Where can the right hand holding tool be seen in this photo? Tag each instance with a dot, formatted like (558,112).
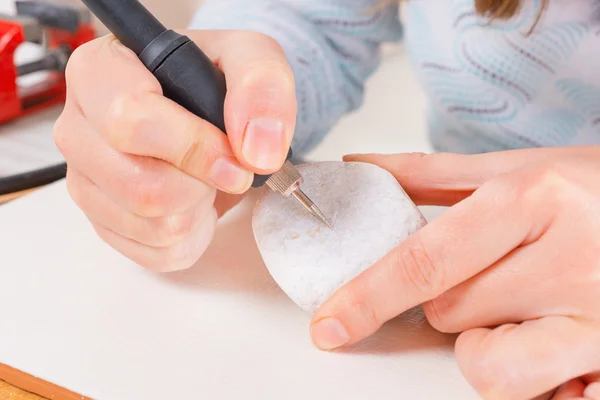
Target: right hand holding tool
(150,176)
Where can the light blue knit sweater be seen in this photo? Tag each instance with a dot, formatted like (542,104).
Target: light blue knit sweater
(490,86)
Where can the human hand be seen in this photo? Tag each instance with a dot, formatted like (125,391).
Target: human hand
(513,264)
(145,171)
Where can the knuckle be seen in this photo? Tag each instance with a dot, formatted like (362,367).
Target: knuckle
(173,228)
(181,225)
(148,197)
(147,200)
(414,262)
(546,183)
(127,119)
(187,252)
(498,192)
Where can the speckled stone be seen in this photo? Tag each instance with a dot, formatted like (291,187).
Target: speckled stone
(371,215)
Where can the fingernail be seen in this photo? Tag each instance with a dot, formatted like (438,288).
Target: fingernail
(264,143)
(229,176)
(328,334)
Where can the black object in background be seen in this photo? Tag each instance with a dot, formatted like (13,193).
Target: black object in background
(32,179)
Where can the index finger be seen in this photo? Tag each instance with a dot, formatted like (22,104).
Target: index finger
(463,241)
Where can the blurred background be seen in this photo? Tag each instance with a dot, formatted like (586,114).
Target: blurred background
(174,17)
(391,119)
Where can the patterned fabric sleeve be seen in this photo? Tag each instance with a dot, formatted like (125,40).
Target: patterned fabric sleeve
(333,46)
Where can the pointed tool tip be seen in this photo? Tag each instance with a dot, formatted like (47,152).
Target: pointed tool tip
(311,207)
(319,214)
(321,217)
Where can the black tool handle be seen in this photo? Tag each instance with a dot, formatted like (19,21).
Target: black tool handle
(186,74)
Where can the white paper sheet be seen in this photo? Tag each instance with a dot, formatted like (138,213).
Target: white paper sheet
(77,314)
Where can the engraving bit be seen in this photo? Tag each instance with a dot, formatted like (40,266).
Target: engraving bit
(287,182)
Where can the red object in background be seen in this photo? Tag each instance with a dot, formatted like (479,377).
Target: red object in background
(16,101)
(11,36)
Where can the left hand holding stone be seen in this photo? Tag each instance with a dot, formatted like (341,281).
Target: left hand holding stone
(513,265)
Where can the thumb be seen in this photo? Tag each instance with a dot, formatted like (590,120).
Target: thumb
(444,179)
(260,106)
(527,360)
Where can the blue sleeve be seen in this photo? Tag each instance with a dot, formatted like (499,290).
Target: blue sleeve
(333,46)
